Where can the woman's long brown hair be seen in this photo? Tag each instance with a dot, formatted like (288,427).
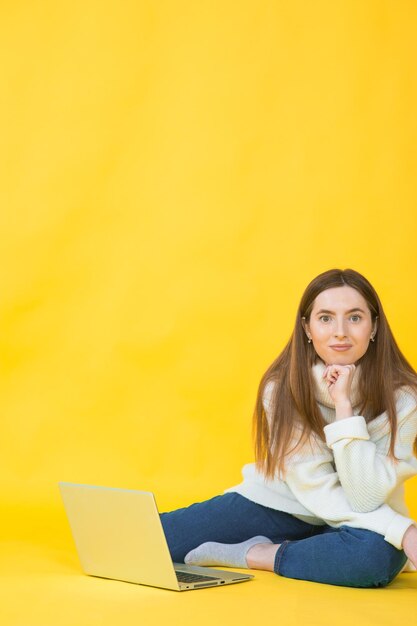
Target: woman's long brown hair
(384,369)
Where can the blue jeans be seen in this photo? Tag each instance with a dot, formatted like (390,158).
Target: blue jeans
(346,556)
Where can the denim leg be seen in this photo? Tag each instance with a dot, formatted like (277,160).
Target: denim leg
(228,518)
(351,557)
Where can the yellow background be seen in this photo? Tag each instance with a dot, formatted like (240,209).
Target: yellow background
(172,175)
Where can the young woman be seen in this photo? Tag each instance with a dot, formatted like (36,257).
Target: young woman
(335,427)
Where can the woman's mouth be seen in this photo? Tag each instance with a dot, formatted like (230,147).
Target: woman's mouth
(341,348)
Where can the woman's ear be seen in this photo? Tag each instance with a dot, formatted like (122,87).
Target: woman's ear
(306,326)
(375,326)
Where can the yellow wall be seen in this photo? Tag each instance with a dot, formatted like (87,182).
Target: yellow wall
(173,174)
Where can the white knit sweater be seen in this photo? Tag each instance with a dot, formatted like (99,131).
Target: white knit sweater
(350,481)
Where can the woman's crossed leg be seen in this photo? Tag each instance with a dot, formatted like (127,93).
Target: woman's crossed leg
(277,541)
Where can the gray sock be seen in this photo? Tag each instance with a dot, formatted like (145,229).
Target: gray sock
(226,554)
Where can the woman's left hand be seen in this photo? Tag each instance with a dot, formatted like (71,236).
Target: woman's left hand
(339,381)
(409,544)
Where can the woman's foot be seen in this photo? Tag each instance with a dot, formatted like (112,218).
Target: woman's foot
(227,554)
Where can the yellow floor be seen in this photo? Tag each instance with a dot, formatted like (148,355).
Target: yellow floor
(42,584)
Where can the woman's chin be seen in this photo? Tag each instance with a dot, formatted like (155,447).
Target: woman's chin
(338,359)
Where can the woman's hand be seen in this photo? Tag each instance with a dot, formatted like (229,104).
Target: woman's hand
(409,544)
(339,381)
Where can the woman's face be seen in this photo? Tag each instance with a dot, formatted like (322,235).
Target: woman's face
(340,325)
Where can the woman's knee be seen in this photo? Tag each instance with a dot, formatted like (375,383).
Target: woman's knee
(216,519)
(378,562)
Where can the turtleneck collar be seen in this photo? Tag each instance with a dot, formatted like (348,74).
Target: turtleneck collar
(321,392)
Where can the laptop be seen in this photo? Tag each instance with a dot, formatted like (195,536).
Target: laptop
(118,534)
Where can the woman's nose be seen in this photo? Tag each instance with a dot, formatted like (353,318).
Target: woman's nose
(340,329)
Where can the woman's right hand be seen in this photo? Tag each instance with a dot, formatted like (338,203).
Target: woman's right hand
(409,544)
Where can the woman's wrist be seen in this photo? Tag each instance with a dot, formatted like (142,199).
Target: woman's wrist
(343,409)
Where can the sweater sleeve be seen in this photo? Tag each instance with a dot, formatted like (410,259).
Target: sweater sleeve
(366,472)
(312,478)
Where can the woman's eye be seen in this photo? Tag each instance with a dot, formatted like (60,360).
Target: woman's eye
(327,318)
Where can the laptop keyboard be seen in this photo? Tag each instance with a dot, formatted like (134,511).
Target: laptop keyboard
(185,577)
